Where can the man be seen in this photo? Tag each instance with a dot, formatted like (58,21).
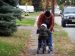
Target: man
(47,18)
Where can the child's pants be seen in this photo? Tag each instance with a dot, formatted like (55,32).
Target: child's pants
(48,42)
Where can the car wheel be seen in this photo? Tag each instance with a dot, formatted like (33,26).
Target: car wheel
(63,23)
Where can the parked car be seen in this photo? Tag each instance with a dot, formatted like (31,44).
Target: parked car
(26,8)
(68,16)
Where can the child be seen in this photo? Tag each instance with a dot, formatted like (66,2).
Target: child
(43,34)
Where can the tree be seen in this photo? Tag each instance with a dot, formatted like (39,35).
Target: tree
(43,4)
(36,4)
(24,2)
(8,15)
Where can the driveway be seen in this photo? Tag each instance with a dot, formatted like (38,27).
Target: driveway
(70,31)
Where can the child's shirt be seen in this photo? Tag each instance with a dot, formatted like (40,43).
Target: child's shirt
(43,33)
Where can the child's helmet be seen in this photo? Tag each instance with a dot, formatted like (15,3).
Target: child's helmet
(44,25)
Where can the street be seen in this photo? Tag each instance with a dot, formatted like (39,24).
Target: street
(70,31)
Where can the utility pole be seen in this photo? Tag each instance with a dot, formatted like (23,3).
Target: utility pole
(53,6)
(47,4)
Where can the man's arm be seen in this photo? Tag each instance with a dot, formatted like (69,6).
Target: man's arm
(39,20)
(52,23)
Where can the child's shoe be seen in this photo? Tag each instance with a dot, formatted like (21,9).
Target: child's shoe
(49,51)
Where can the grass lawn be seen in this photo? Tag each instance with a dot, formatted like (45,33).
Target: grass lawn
(62,43)
(28,20)
(12,45)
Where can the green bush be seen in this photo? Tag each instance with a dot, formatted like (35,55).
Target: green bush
(8,16)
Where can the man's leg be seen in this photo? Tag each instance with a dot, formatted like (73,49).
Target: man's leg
(50,41)
(50,38)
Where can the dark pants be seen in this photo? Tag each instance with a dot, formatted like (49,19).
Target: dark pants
(48,41)
(40,42)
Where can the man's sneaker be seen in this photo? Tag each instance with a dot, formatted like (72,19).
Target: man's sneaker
(51,49)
